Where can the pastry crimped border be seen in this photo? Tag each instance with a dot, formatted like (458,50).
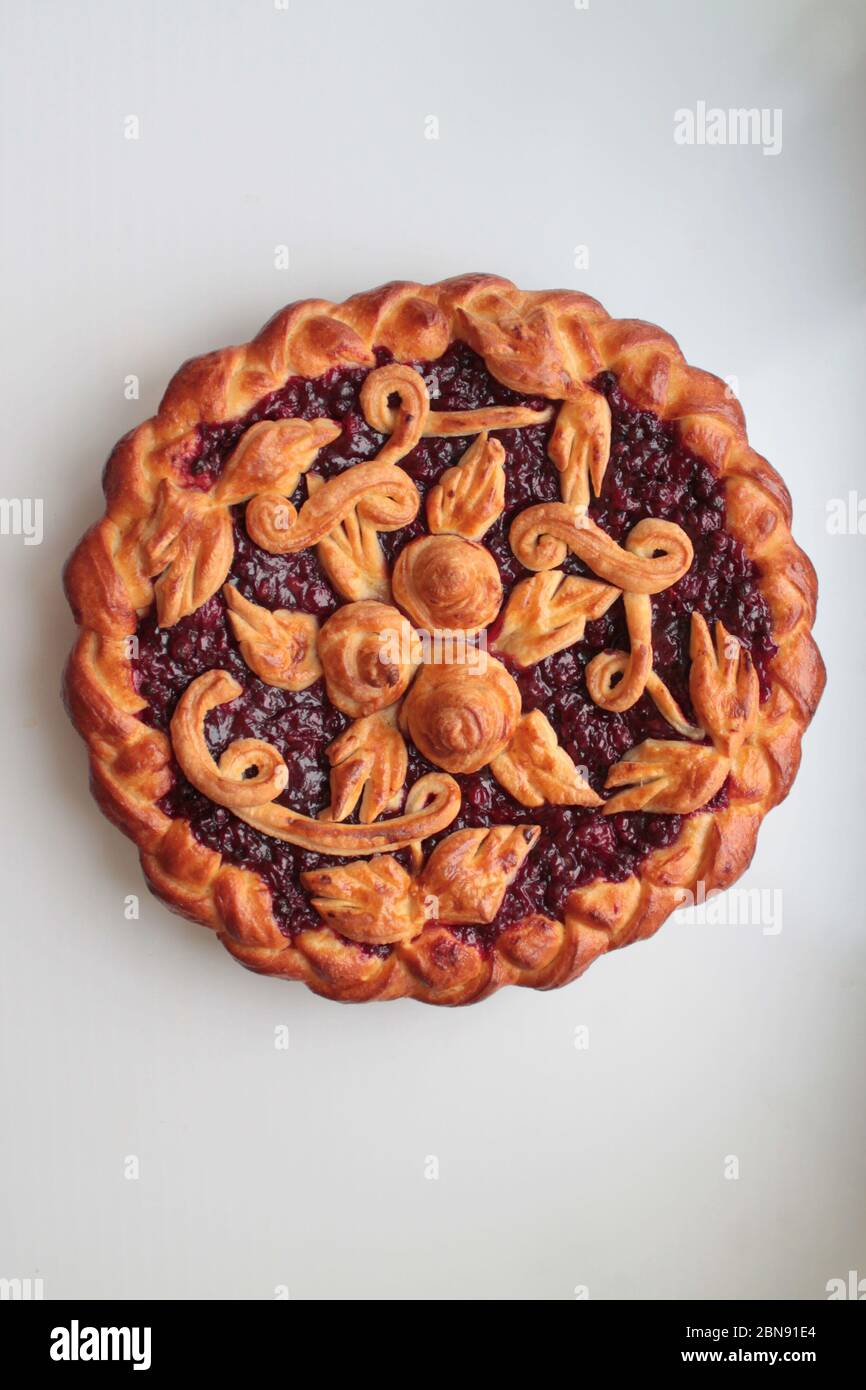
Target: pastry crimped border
(539,342)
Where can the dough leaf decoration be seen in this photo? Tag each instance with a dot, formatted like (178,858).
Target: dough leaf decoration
(580,445)
(280,646)
(189,542)
(667,776)
(723,685)
(469,497)
(373,901)
(468,872)
(271,457)
(549,612)
(190,545)
(351,555)
(368,763)
(537,772)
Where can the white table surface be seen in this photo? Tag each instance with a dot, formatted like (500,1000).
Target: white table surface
(604,1167)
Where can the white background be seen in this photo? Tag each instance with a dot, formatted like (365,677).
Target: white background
(558,1167)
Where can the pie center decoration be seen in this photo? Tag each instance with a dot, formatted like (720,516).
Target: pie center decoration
(462,710)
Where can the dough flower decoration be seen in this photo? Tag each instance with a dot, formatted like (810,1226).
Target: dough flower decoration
(389,661)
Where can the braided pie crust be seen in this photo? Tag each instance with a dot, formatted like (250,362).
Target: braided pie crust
(164,543)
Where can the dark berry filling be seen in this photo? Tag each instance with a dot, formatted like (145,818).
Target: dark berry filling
(649,474)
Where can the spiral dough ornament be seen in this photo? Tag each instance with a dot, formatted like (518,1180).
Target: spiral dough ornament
(461,719)
(656,553)
(384,494)
(446,582)
(369,653)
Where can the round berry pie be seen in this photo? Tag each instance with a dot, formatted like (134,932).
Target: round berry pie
(440,640)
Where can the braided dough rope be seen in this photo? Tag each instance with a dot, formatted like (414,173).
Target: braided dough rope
(544,342)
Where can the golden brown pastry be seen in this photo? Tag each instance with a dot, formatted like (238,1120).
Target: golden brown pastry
(351,555)
(469,497)
(549,612)
(461,718)
(280,647)
(369,762)
(369,654)
(372,901)
(468,872)
(446,582)
(723,684)
(433,802)
(664,775)
(396,393)
(187,539)
(385,495)
(656,553)
(536,771)
(580,445)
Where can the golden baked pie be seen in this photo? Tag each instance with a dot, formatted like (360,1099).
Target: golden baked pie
(442,639)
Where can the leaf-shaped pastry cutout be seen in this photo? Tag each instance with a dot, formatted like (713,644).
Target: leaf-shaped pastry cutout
(537,772)
(723,684)
(189,542)
(372,901)
(351,555)
(367,761)
(522,351)
(468,872)
(549,612)
(271,457)
(470,496)
(190,545)
(280,647)
(667,776)
(580,445)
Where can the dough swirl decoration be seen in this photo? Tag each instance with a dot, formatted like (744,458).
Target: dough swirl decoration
(447,582)
(369,653)
(459,718)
